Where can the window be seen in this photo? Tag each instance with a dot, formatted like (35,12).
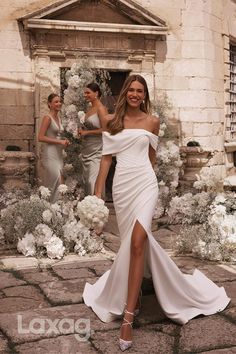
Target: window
(231,126)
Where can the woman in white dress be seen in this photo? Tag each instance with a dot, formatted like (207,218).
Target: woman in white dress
(52,147)
(132,137)
(91,134)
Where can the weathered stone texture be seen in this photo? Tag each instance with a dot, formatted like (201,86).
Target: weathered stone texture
(207,334)
(62,344)
(17,132)
(7,280)
(65,291)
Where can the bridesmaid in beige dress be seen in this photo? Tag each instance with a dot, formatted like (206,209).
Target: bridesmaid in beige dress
(51,151)
(91,134)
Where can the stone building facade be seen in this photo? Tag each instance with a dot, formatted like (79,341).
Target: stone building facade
(185,48)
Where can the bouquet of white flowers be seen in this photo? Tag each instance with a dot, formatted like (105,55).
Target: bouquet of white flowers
(92,212)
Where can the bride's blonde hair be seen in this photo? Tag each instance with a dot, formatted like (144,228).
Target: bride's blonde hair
(116,124)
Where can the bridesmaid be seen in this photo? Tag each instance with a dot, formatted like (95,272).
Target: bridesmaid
(91,134)
(52,149)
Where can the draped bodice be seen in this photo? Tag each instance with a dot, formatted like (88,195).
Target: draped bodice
(92,122)
(131,147)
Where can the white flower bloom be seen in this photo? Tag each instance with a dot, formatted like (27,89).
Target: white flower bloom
(81,116)
(27,245)
(68,167)
(34,198)
(44,192)
(43,234)
(47,216)
(220,199)
(219,210)
(174,184)
(72,127)
(55,248)
(74,81)
(62,188)
(92,212)
(56,207)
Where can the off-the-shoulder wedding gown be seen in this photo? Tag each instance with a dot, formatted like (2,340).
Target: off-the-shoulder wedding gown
(135,190)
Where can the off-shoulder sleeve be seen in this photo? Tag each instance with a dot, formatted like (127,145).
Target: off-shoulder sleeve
(110,145)
(154,141)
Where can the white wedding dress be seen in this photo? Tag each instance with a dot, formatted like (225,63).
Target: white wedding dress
(135,190)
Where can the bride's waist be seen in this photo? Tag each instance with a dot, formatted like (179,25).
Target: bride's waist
(126,168)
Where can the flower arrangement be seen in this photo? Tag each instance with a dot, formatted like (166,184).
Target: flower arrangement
(92,212)
(81,73)
(169,163)
(39,228)
(73,111)
(208,225)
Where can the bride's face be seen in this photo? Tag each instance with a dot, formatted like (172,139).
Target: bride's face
(135,94)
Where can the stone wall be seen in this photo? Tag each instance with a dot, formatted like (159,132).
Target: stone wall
(194,72)
(191,67)
(17,99)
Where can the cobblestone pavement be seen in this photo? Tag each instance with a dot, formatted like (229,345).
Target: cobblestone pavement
(42,311)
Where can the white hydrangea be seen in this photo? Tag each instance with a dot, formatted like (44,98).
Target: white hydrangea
(55,248)
(44,192)
(74,230)
(80,249)
(74,81)
(62,188)
(92,212)
(219,199)
(43,233)
(47,216)
(71,110)
(27,245)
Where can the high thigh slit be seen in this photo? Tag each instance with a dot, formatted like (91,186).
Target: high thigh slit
(135,192)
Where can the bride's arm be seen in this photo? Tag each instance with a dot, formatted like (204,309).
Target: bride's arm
(102,175)
(155,130)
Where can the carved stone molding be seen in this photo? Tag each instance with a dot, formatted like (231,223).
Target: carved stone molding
(194,158)
(16,169)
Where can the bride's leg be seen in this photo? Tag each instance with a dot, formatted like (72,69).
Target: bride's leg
(136,269)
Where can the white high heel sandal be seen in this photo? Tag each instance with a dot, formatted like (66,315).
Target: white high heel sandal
(126,344)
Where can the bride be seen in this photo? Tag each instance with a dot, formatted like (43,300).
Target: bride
(132,136)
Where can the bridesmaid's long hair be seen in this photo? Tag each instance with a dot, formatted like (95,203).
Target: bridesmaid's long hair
(116,124)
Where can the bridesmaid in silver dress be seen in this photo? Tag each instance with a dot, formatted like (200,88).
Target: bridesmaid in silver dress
(91,134)
(51,151)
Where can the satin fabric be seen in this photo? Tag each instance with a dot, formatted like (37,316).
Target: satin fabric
(52,160)
(135,191)
(91,153)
